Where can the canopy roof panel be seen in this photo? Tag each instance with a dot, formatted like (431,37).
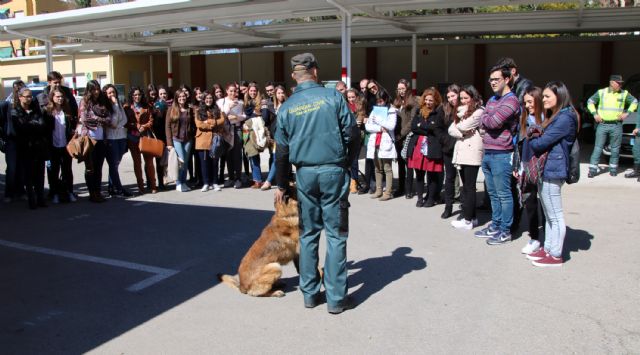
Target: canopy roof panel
(149,25)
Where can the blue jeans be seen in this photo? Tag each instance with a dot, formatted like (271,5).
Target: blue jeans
(115,150)
(272,170)
(612,131)
(255,168)
(497,171)
(555,228)
(183,150)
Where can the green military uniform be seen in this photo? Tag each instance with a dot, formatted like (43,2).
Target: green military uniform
(609,105)
(314,133)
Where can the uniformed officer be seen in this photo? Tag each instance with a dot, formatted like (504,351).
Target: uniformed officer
(314,133)
(609,107)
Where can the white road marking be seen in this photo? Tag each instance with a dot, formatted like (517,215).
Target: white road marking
(160,273)
(138,204)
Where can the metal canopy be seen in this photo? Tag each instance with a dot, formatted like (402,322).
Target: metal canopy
(152,25)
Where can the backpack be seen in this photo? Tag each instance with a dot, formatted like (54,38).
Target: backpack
(573,173)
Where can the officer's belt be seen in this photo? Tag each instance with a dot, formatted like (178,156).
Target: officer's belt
(321,165)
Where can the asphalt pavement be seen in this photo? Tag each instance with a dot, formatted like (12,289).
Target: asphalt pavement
(138,276)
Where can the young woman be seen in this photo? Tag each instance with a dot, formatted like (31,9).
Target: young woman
(32,145)
(233,109)
(407,106)
(253,103)
(180,130)
(61,123)
(95,114)
(532,116)
(448,143)
(159,105)
(140,123)
(279,97)
(117,140)
(209,123)
(468,151)
(218,91)
(560,132)
(425,149)
(381,147)
(357,107)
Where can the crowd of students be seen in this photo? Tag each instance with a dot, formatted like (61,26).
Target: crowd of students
(437,140)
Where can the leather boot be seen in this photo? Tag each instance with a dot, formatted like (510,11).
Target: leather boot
(448,211)
(635,173)
(378,192)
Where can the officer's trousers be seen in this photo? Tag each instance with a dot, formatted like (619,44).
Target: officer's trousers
(323,193)
(612,131)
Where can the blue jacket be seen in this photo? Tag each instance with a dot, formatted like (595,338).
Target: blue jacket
(557,139)
(314,127)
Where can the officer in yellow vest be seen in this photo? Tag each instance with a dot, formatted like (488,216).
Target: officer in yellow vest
(609,107)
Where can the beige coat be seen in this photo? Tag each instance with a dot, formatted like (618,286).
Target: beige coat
(468,149)
(206,129)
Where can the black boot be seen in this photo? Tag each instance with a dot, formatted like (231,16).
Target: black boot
(635,173)
(420,202)
(448,211)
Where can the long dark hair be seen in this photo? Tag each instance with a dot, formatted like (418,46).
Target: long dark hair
(563,97)
(383,95)
(536,93)
(102,99)
(407,102)
(450,111)
(51,105)
(476,101)
(143,97)
(204,110)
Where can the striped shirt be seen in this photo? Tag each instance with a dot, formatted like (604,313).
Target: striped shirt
(499,122)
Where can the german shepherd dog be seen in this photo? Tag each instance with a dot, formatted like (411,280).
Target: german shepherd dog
(277,245)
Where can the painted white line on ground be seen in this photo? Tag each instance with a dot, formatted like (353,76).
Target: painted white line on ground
(160,273)
(138,204)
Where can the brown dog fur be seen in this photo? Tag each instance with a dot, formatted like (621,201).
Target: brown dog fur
(277,245)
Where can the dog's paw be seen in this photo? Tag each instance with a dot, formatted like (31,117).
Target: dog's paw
(278,293)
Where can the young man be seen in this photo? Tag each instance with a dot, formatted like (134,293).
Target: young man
(499,122)
(609,107)
(322,178)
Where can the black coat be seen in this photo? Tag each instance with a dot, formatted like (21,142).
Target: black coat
(433,128)
(32,133)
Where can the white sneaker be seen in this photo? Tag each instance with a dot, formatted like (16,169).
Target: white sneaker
(217,187)
(55,200)
(464,224)
(531,246)
(72,197)
(178,187)
(184,188)
(205,188)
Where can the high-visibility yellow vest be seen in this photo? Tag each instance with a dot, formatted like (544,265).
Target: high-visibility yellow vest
(611,104)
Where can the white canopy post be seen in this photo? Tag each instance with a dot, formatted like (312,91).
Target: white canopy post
(169,68)
(414,63)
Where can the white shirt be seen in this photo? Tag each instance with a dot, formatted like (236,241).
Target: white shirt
(59,135)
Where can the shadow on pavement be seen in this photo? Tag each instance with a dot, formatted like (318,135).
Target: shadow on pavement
(55,304)
(374,274)
(575,241)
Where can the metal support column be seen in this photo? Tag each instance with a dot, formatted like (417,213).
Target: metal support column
(169,68)
(151,78)
(348,57)
(414,63)
(49,53)
(74,82)
(343,48)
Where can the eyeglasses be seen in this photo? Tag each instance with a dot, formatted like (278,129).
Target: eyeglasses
(495,80)
(26,97)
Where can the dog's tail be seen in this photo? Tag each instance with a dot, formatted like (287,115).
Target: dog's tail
(231,281)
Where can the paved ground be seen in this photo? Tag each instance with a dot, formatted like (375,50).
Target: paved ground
(137,276)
